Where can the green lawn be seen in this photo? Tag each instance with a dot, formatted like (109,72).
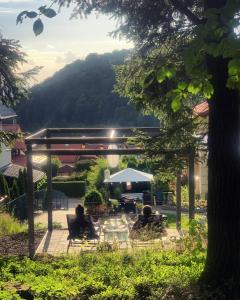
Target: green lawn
(144,274)
(171,222)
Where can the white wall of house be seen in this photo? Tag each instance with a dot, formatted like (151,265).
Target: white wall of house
(5,156)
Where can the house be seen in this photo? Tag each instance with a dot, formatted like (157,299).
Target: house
(13,158)
(68,161)
(201,169)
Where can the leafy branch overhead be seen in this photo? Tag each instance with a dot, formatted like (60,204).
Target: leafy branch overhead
(38,24)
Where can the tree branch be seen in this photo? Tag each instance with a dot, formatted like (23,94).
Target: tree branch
(183,9)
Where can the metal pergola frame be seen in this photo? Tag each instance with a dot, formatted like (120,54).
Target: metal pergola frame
(50,136)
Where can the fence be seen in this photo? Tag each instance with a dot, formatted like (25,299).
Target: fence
(18,206)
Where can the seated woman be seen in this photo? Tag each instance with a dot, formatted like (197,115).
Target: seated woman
(148,224)
(82,225)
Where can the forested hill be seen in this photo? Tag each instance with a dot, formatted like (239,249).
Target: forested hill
(81,94)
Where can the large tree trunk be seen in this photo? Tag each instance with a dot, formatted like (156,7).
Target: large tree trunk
(223,256)
(222,269)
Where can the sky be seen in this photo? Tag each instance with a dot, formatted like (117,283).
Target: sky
(62,41)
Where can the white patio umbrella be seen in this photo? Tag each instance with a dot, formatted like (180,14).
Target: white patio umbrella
(129,175)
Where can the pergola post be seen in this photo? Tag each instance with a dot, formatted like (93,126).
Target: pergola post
(178,200)
(191,185)
(30,202)
(49,191)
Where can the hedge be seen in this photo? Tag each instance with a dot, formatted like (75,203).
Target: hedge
(70,188)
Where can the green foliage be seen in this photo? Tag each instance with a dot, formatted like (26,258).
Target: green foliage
(145,274)
(14,84)
(117,192)
(41,184)
(22,181)
(83,165)
(9,225)
(14,191)
(70,188)
(4,189)
(93,198)
(81,95)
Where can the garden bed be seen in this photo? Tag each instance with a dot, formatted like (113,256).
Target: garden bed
(17,244)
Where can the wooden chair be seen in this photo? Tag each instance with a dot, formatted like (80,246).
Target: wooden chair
(81,239)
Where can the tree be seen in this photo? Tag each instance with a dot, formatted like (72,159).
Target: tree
(14,191)
(21,181)
(14,85)
(4,189)
(199,43)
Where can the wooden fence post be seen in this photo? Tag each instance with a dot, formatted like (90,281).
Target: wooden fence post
(191,185)
(178,200)
(30,203)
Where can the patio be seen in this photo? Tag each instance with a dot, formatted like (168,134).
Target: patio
(55,243)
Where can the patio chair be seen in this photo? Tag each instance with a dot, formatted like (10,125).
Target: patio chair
(82,238)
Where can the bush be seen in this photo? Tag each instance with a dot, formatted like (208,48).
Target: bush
(93,198)
(70,188)
(117,193)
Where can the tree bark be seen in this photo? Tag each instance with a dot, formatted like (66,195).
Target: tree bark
(222,268)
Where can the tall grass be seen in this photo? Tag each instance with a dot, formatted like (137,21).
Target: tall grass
(9,225)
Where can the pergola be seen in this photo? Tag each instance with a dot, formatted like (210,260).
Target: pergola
(40,143)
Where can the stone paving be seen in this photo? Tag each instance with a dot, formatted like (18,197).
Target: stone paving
(56,243)
(59,216)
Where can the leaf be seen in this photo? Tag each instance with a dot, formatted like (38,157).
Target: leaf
(176,104)
(208,90)
(182,86)
(234,67)
(194,88)
(160,76)
(170,73)
(38,27)
(49,12)
(31,14)
(149,79)
(20,16)
(42,8)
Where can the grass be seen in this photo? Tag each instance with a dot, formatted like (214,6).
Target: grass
(143,274)
(10,225)
(171,222)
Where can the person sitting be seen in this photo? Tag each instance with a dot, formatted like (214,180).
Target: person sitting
(148,221)
(82,225)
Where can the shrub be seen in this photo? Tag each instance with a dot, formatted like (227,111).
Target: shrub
(93,198)
(70,188)
(117,193)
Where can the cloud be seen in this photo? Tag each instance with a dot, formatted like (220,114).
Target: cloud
(67,58)
(5,10)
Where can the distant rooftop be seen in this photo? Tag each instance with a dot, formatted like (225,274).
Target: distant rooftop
(12,170)
(6,112)
(201,109)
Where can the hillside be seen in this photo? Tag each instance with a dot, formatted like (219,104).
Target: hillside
(81,94)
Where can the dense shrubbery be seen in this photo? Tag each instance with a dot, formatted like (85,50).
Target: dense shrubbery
(70,188)
(93,198)
(146,274)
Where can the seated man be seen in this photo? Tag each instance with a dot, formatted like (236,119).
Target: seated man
(82,225)
(149,222)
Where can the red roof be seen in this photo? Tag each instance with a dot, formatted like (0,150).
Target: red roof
(72,159)
(20,144)
(11,128)
(20,160)
(201,109)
